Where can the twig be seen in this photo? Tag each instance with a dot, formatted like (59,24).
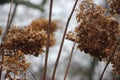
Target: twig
(58,57)
(27,3)
(48,39)
(13,15)
(109,60)
(32,74)
(69,61)
(7,28)
(8,20)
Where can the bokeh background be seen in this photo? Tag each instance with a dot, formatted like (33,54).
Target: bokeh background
(83,66)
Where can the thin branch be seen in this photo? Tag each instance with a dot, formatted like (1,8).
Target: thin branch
(27,3)
(13,15)
(109,60)
(32,74)
(69,61)
(8,20)
(48,39)
(7,28)
(59,54)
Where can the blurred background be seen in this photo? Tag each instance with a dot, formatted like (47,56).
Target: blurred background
(83,66)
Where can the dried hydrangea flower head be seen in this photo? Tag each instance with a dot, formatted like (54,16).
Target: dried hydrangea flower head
(15,64)
(114,6)
(26,40)
(96,33)
(42,24)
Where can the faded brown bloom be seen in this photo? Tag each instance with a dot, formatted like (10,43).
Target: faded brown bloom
(14,63)
(42,24)
(114,6)
(96,33)
(26,40)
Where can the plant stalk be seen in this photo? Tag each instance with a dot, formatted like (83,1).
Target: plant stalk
(48,39)
(59,53)
(69,61)
(7,28)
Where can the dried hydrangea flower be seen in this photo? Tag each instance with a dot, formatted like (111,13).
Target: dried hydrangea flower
(26,40)
(96,33)
(42,24)
(15,64)
(114,6)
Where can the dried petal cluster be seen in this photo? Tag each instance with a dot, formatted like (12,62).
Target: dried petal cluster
(114,6)
(26,40)
(96,33)
(21,41)
(15,63)
(42,24)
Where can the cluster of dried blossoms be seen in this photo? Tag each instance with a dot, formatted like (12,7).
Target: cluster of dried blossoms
(30,39)
(21,41)
(114,6)
(14,63)
(96,33)
(26,40)
(42,24)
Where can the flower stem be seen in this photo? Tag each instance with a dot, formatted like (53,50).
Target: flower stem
(59,53)
(69,61)
(7,28)
(48,40)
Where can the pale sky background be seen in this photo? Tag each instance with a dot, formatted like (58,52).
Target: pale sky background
(61,11)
